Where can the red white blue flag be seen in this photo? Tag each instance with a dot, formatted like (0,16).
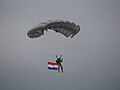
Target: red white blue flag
(52,66)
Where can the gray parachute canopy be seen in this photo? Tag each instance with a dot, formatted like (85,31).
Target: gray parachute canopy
(64,27)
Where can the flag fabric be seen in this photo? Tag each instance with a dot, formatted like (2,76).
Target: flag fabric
(52,66)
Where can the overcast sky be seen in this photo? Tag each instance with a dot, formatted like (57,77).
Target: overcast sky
(91,58)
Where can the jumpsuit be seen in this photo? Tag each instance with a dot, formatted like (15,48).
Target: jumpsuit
(59,60)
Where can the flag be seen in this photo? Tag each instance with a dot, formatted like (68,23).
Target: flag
(52,66)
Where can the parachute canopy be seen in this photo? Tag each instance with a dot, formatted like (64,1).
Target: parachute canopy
(64,27)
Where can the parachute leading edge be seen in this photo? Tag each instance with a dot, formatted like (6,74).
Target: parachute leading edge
(64,27)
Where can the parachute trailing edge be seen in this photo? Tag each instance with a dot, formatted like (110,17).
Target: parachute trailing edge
(64,27)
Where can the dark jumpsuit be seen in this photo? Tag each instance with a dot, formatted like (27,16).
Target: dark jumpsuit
(59,60)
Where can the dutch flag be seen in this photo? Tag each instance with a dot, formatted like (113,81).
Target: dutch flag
(52,66)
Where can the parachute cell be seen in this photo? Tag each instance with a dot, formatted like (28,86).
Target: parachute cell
(64,27)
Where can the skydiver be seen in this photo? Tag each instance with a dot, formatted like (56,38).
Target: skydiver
(59,60)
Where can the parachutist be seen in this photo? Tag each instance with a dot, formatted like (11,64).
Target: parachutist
(59,60)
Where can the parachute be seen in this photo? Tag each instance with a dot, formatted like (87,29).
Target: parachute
(64,27)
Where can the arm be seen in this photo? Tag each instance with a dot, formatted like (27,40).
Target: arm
(61,59)
(56,56)
(60,56)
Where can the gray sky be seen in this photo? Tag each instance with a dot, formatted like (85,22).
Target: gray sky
(91,58)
